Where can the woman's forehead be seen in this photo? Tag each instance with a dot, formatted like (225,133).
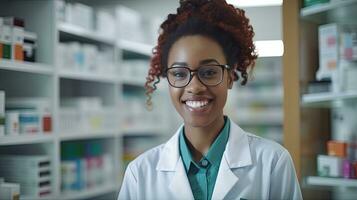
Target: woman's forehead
(195,50)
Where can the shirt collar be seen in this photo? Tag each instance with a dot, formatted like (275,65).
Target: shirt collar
(215,152)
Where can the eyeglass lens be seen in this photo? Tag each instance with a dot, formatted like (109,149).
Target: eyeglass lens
(209,75)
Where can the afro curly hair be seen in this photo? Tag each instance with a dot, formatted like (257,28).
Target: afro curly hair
(216,19)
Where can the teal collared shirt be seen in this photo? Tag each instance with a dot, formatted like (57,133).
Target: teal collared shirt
(202,176)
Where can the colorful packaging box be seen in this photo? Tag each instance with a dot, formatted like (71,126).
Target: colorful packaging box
(17,36)
(329,166)
(12,125)
(314,2)
(6,39)
(30,46)
(336,148)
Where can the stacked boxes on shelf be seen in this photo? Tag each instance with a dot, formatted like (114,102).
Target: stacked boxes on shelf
(134,70)
(129,24)
(338,56)
(86,58)
(257,107)
(28,116)
(9,191)
(15,42)
(86,114)
(32,172)
(139,119)
(341,160)
(86,17)
(84,165)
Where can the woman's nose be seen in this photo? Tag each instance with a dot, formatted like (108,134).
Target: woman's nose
(195,86)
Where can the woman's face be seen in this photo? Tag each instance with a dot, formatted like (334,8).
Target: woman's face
(199,105)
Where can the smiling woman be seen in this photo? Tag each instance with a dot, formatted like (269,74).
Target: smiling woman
(201,51)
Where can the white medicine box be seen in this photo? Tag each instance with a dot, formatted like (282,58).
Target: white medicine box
(336,42)
(329,166)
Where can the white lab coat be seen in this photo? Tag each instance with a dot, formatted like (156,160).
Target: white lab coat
(251,168)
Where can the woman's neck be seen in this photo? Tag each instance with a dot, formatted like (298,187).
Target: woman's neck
(201,138)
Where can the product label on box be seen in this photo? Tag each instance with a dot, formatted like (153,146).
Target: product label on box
(5,40)
(328,50)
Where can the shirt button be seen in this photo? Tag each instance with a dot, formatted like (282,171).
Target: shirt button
(204,163)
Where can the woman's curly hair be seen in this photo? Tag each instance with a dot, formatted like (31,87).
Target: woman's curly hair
(213,18)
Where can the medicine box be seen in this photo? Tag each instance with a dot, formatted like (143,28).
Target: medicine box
(336,148)
(6,39)
(329,166)
(336,42)
(17,36)
(9,191)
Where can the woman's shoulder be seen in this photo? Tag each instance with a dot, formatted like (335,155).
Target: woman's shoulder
(266,150)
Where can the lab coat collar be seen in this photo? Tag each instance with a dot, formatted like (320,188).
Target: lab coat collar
(170,155)
(237,153)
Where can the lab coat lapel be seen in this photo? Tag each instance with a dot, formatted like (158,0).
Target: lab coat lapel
(170,162)
(226,179)
(179,185)
(236,155)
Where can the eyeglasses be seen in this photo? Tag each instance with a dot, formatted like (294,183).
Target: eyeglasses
(209,75)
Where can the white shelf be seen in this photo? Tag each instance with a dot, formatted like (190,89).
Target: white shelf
(334,182)
(84,33)
(49,197)
(36,68)
(133,81)
(73,135)
(328,99)
(26,139)
(335,10)
(89,76)
(137,47)
(136,130)
(265,97)
(90,193)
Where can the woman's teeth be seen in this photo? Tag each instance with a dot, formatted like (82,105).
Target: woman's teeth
(196,104)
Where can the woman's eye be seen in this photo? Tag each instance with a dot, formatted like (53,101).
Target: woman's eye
(209,73)
(179,74)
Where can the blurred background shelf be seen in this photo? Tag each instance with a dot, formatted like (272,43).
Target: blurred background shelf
(26,139)
(22,66)
(336,10)
(76,135)
(83,35)
(328,99)
(90,193)
(136,47)
(86,76)
(334,182)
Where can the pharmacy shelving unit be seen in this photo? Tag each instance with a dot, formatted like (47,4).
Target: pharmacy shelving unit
(46,78)
(307,123)
(257,107)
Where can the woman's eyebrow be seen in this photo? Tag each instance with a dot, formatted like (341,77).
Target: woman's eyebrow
(208,61)
(178,64)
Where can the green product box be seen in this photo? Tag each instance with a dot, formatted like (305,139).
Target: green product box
(308,3)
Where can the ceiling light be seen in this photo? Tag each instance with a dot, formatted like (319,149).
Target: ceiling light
(269,48)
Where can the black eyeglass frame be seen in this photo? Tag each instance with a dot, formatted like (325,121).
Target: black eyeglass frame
(193,72)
